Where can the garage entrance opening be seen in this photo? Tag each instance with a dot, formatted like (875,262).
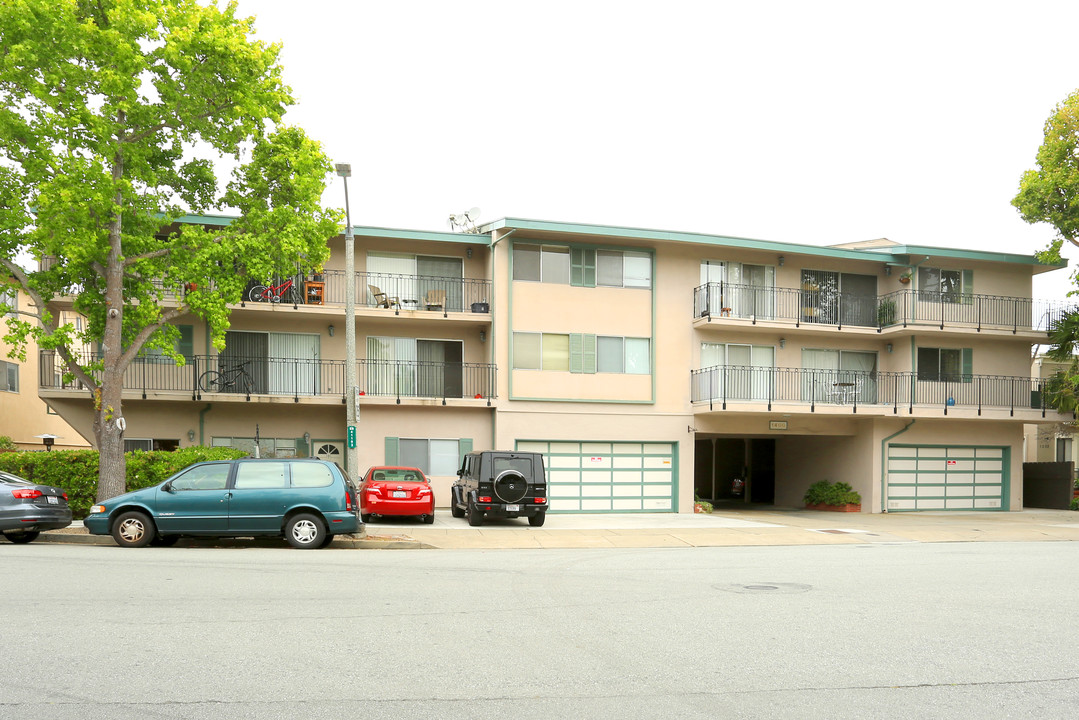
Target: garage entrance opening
(739,469)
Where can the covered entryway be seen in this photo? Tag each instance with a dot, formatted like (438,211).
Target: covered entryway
(719,462)
(930,477)
(598,477)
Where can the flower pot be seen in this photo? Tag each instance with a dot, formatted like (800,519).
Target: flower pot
(903,279)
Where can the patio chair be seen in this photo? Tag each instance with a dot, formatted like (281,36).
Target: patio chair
(435,299)
(382,299)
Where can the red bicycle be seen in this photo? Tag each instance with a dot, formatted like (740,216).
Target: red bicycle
(274,293)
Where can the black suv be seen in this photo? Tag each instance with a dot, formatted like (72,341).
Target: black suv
(500,484)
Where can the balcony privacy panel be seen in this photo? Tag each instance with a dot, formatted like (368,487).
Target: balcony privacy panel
(249,347)
(294,364)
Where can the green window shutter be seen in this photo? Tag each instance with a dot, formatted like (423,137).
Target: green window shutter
(391,451)
(465,445)
(186,344)
(968,287)
(588,353)
(582,267)
(582,353)
(968,364)
(302,448)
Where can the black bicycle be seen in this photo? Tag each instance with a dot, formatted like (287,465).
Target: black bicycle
(234,379)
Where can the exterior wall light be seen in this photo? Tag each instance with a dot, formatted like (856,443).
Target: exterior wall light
(191,436)
(330,330)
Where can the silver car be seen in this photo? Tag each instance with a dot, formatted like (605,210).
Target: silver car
(27,508)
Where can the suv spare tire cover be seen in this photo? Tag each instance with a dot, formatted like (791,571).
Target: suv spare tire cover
(510,486)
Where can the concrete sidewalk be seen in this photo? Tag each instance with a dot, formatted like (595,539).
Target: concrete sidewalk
(725,527)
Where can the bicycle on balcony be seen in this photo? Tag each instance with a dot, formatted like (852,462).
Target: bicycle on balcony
(234,379)
(275,293)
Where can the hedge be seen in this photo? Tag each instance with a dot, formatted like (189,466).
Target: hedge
(76,470)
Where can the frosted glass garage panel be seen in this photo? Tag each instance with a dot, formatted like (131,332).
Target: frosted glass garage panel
(608,476)
(946,478)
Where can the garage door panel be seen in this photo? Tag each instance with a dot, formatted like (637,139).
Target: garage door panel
(946,478)
(608,476)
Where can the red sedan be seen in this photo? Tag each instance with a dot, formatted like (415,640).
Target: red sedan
(396,491)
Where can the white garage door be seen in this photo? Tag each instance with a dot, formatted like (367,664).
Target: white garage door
(947,478)
(607,477)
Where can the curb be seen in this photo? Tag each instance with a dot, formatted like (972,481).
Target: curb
(341,542)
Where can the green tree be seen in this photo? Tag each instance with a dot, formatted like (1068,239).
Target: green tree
(1050,192)
(112,114)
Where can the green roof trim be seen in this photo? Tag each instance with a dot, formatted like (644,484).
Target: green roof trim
(879,254)
(216,220)
(435,236)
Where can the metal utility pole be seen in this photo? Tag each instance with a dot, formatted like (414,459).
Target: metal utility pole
(351,383)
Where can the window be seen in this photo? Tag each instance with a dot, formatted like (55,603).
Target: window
(747,370)
(184,345)
(951,286)
(1064,449)
(9,376)
(546,263)
(9,299)
(148,444)
(309,474)
(203,477)
(433,457)
(583,267)
(945,364)
(251,475)
(540,351)
(267,447)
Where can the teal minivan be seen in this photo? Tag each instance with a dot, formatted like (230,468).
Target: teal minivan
(306,501)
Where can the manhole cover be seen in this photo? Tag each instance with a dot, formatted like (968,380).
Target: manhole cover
(765,588)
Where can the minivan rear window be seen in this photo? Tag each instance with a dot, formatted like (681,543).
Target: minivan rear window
(307,474)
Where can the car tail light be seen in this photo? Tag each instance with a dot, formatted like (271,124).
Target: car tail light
(374,489)
(540,501)
(65,497)
(483,498)
(348,500)
(27,494)
(424,491)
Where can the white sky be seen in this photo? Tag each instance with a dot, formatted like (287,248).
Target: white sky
(809,122)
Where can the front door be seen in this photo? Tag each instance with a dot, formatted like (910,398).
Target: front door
(197,503)
(260,495)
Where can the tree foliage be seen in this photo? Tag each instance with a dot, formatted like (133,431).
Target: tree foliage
(115,116)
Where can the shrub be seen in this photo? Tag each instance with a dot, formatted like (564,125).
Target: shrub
(1074,505)
(6,443)
(76,470)
(827,493)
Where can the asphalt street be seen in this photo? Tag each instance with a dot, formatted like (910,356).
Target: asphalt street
(876,630)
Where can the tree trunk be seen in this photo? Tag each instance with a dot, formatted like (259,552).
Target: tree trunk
(112,467)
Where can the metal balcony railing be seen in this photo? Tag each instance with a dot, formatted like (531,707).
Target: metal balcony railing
(900,308)
(290,377)
(413,292)
(725,384)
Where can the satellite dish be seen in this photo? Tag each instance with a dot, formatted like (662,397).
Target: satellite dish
(472,214)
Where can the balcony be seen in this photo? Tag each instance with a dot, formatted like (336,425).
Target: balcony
(854,391)
(221,376)
(900,309)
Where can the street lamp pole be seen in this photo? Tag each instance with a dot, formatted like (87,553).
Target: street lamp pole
(351,382)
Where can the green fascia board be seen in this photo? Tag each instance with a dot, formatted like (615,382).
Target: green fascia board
(673,236)
(215,220)
(903,253)
(885,254)
(434,236)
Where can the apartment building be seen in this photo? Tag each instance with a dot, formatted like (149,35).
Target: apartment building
(24,417)
(648,366)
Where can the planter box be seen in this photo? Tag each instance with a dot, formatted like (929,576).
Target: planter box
(481,307)
(849,507)
(698,508)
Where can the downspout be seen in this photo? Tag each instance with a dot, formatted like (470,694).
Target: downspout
(491,336)
(884,463)
(202,423)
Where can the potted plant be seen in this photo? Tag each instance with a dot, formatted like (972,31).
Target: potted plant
(905,277)
(701,506)
(886,313)
(835,497)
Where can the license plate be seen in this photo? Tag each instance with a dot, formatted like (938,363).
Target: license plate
(399,494)
(513,508)
(53,500)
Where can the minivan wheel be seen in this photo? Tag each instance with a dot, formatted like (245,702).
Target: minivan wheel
(475,515)
(20,538)
(133,529)
(305,531)
(537,519)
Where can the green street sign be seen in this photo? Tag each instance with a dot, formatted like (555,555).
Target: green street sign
(351,437)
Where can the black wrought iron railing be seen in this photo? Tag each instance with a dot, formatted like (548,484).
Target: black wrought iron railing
(289,377)
(411,292)
(717,300)
(725,384)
